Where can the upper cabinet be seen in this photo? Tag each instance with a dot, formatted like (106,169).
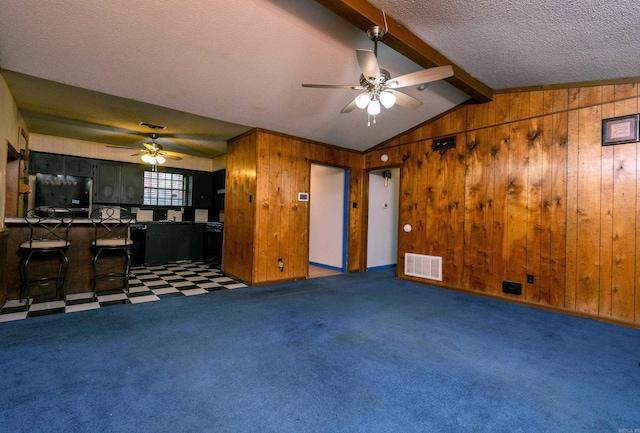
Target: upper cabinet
(123,183)
(131,184)
(50,163)
(78,166)
(201,189)
(219,188)
(46,163)
(118,183)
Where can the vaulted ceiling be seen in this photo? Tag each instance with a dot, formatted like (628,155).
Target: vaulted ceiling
(210,70)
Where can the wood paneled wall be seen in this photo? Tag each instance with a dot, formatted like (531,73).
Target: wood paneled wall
(240,195)
(264,219)
(528,190)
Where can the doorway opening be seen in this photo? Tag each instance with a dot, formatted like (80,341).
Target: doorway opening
(382,218)
(328,199)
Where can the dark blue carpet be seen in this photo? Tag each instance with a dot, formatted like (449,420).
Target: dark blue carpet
(353,353)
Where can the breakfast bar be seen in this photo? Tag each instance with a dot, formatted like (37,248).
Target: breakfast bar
(80,254)
(165,242)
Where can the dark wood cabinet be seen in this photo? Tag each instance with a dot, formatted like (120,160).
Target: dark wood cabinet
(106,188)
(118,183)
(47,163)
(51,163)
(82,167)
(131,184)
(219,188)
(202,191)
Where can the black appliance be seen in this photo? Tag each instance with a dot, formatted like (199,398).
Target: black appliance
(72,192)
(213,234)
(138,234)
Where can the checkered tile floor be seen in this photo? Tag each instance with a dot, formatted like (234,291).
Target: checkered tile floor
(147,284)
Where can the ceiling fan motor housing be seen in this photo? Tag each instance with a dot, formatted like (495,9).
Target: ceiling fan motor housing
(384,77)
(375,33)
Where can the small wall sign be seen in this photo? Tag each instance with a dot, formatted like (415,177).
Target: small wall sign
(303,196)
(619,130)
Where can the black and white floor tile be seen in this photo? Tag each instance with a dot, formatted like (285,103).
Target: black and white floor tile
(147,284)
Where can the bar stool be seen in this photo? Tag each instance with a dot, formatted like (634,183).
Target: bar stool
(111,226)
(48,235)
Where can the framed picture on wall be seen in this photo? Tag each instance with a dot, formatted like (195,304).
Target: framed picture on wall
(619,130)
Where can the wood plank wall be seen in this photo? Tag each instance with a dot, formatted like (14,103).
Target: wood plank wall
(528,190)
(239,225)
(274,225)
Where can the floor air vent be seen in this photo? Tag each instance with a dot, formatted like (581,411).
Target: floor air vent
(418,265)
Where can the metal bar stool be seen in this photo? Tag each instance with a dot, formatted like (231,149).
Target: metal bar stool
(48,234)
(111,226)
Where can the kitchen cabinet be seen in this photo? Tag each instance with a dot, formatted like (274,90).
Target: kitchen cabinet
(51,163)
(82,167)
(172,242)
(48,163)
(219,188)
(202,191)
(131,184)
(118,183)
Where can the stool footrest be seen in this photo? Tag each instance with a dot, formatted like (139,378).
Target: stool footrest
(111,276)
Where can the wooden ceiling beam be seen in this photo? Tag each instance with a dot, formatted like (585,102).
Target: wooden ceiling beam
(364,15)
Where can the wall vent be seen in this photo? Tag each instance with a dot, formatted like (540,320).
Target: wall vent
(418,265)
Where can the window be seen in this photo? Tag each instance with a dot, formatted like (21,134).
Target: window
(164,189)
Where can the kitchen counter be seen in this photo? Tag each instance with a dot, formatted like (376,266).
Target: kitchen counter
(166,241)
(20,220)
(80,254)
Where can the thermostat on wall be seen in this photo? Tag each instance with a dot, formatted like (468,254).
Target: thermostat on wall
(303,196)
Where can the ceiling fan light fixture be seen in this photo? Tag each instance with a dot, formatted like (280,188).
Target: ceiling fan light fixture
(362,100)
(387,99)
(160,159)
(147,158)
(374,107)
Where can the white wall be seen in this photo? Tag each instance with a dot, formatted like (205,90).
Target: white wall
(326,204)
(382,240)
(10,122)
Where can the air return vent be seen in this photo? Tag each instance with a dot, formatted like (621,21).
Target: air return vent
(418,265)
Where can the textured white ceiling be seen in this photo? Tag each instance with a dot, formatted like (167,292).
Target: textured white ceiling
(521,43)
(243,61)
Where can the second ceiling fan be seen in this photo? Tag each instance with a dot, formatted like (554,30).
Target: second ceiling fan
(153,152)
(379,87)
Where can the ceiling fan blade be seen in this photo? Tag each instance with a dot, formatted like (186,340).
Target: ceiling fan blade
(116,146)
(349,107)
(150,146)
(333,86)
(404,100)
(420,77)
(369,65)
(353,104)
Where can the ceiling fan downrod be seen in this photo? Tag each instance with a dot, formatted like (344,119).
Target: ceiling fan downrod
(375,33)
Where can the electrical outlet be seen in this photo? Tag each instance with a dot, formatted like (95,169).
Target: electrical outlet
(530,278)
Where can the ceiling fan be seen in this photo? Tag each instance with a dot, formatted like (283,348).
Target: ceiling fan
(153,152)
(379,87)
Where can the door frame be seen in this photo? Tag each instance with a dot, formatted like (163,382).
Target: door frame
(345,218)
(365,213)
